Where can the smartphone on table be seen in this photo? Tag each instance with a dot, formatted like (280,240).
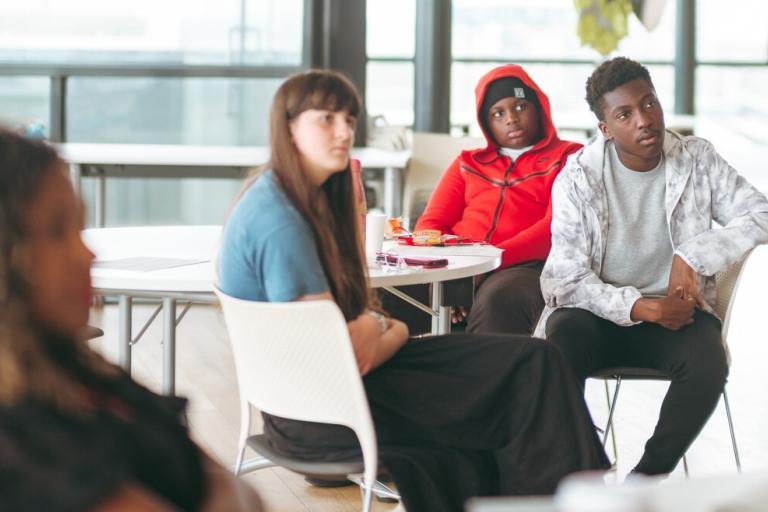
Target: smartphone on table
(412,261)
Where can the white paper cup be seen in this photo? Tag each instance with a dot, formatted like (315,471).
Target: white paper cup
(374,235)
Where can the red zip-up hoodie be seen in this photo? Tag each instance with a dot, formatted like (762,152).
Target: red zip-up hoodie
(485,196)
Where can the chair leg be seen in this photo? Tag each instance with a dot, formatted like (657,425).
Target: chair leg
(245,430)
(384,493)
(613,432)
(609,424)
(379,489)
(733,432)
(239,460)
(610,411)
(367,494)
(685,466)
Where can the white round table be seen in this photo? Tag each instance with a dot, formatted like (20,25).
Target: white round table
(172,263)
(463,261)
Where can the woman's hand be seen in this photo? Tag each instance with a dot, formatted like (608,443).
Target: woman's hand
(397,330)
(365,333)
(372,347)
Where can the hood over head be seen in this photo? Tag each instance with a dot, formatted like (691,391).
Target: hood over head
(511,80)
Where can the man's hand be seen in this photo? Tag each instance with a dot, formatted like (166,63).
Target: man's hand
(676,310)
(684,277)
(673,311)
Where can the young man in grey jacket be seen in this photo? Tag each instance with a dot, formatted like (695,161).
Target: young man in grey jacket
(630,277)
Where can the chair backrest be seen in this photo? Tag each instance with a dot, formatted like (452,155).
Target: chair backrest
(727,282)
(431,155)
(295,360)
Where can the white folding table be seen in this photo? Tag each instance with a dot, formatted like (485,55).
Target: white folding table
(157,160)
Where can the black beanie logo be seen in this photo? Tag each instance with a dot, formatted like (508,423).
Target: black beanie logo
(519,92)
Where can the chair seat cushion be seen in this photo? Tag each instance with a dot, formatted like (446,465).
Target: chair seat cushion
(260,443)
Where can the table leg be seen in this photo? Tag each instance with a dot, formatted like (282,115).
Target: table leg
(392,191)
(124,314)
(441,324)
(75,175)
(99,205)
(169,346)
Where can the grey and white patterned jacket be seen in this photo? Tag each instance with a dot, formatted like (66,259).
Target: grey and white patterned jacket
(700,188)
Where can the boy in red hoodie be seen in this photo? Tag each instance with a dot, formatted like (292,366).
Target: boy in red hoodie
(501,194)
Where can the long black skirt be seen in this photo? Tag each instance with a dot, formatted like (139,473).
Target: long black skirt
(465,415)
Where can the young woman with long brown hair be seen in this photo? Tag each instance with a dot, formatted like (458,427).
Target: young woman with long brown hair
(456,416)
(76,433)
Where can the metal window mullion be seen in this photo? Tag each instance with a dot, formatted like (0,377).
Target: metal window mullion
(685,57)
(57,102)
(432,95)
(313,44)
(344,33)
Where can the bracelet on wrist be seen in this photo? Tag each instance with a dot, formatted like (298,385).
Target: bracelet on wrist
(379,318)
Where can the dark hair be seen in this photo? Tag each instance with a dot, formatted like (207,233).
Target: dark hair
(26,364)
(332,215)
(24,163)
(608,76)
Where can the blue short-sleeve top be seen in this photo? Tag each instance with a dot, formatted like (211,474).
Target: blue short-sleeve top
(268,250)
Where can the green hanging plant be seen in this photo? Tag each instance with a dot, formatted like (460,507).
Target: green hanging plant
(602,23)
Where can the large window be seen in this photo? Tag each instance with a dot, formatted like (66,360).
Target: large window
(150,31)
(732,32)
(542,37)
(24,100)
(205,111)
(212,109)
(545,30)
(390,47)
(733,72)
(732,50)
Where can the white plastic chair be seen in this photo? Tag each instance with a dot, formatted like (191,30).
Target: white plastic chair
(431,155)
(727,286)
(295,360)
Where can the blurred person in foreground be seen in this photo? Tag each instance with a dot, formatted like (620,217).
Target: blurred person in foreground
(76,433)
